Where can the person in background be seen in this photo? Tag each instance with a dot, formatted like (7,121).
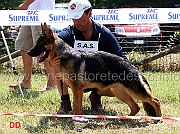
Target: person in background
(27,38)
(85,30)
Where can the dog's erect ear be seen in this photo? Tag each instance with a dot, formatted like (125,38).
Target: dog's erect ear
(42,26)
(46,30)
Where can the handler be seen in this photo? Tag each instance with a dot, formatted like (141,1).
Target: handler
(82,35)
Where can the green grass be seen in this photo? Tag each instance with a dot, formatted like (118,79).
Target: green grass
(165,86)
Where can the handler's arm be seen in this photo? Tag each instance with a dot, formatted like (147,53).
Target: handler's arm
(25,5)
(111,44)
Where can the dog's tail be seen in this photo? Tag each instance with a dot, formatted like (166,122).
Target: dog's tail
(149,109)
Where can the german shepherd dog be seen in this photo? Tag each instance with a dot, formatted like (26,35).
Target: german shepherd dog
(84,69)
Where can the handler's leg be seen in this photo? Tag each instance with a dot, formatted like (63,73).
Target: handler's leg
(95,98)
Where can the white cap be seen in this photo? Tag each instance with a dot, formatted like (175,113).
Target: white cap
(76,8)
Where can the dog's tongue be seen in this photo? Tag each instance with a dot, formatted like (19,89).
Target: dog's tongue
(39,58)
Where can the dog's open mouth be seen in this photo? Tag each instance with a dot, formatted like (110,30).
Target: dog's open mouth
(42,57)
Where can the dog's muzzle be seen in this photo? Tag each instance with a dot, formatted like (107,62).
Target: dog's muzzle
(42,55)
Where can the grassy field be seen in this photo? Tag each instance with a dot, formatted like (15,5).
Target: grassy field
(165,86)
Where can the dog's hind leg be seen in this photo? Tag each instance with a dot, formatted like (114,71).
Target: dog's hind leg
(150,103)
(120,94)
(152,106)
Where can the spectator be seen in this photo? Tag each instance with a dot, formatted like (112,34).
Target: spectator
(27,38)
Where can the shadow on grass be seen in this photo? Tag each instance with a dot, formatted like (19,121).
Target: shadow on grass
(28,93)
(65,124)
(53,123)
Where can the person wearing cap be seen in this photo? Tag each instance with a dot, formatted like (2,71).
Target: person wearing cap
(85,31)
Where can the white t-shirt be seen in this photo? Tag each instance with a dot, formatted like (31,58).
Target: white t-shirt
(42,5)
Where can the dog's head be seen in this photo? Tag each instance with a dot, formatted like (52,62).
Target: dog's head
(44,44)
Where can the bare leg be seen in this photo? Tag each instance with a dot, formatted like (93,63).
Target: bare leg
(27,63)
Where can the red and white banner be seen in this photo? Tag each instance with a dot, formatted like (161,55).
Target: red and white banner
(94,116)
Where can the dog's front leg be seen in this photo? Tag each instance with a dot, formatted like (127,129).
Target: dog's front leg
(77,101)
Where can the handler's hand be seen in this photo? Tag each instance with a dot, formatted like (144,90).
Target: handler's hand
(55,62)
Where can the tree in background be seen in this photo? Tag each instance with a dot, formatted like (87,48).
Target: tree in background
(10,4)
(13,4)
(133,3)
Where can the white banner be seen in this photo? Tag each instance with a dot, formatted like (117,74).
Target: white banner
(103,16)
